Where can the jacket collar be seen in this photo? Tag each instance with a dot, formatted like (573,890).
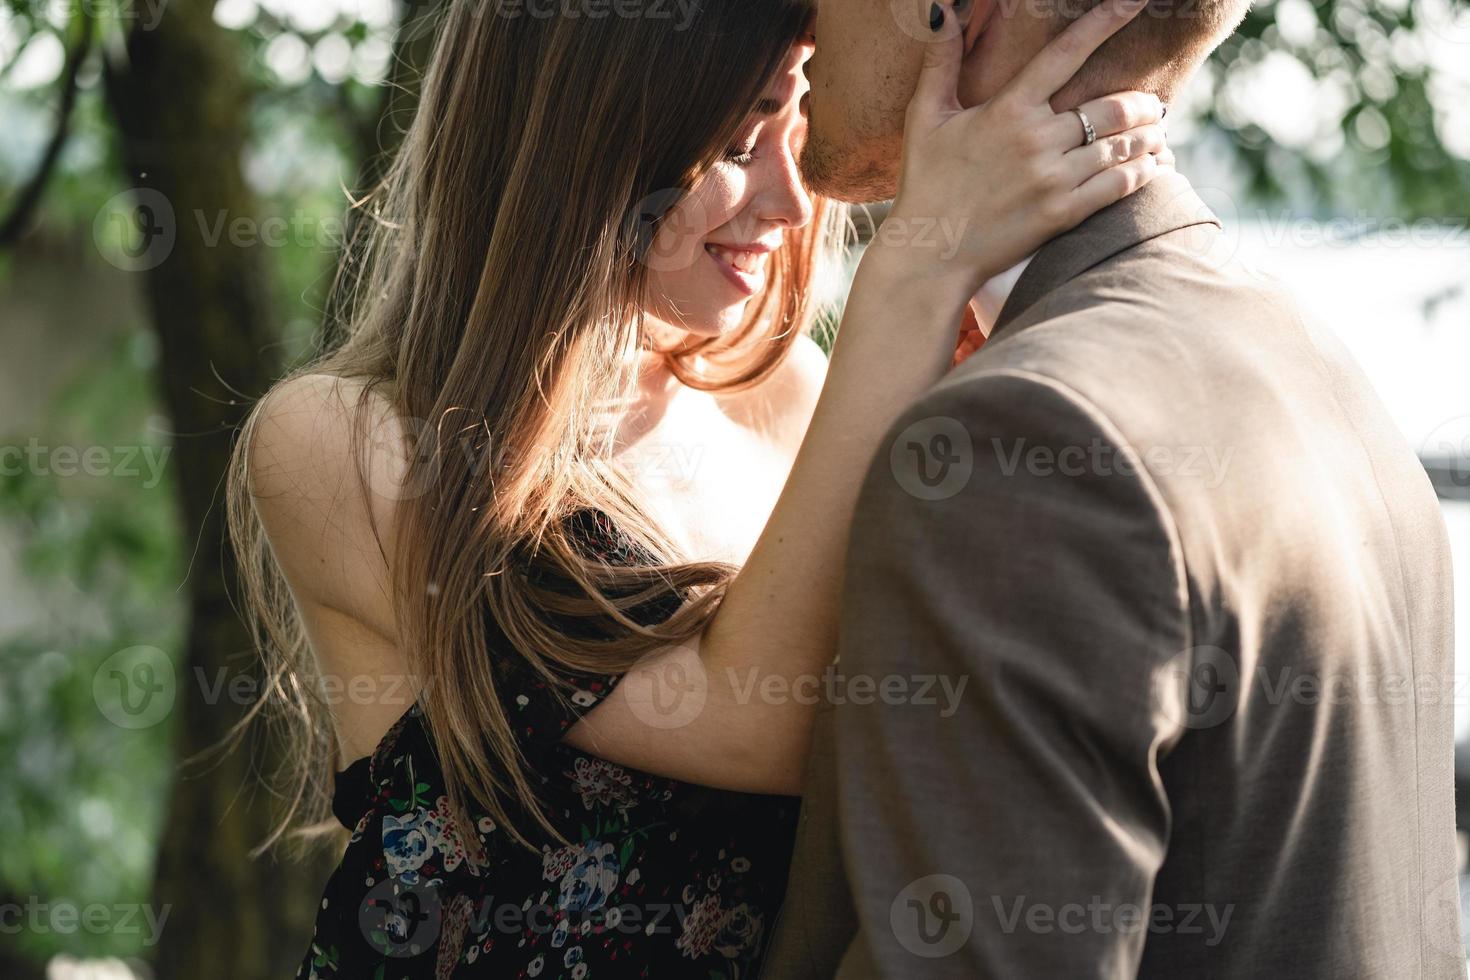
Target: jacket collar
(1167,204)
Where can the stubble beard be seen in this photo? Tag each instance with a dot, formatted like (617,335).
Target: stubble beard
(848,177)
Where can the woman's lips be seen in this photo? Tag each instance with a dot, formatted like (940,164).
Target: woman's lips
(744,268)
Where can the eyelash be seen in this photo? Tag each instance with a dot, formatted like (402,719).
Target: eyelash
(742,156)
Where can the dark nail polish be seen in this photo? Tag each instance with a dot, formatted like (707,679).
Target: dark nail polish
(936,17)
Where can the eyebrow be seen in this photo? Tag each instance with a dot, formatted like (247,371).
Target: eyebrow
(769,107)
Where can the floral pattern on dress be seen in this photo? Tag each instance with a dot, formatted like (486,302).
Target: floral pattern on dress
(649,877)
(425,835)
(602,783)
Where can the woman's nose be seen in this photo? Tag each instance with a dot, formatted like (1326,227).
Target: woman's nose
(785,199)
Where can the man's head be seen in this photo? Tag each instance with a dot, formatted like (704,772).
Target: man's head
(869,53)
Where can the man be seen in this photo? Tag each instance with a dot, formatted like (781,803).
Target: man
(1195,585)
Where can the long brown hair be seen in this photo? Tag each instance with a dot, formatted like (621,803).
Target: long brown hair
(497,302)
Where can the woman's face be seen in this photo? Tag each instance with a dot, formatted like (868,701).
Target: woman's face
(710,255)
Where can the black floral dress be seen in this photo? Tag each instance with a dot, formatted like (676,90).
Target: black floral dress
(661,879)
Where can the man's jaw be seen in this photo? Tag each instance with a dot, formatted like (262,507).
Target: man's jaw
(845,177)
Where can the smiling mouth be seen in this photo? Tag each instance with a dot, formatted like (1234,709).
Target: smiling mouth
(741,260)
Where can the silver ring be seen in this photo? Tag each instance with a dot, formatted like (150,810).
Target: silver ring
(1089,135)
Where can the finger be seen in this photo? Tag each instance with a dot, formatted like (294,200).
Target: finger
(1113,114)
(1111,186)
(936,96)
(1054,66)
(1087,162)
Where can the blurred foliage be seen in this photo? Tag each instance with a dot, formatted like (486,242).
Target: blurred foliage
(101,557)
(1388,82)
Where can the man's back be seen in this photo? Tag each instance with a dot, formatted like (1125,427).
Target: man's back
(1200,588)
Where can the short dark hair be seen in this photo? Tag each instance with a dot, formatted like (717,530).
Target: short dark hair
(1157,52)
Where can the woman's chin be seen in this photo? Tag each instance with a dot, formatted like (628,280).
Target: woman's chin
(712,323)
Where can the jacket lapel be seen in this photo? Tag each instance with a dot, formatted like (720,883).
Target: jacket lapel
(1167,204)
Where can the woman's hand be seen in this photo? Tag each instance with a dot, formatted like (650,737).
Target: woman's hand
(1014,172)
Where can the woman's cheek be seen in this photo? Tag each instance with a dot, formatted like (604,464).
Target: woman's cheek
(680,238)
(682,233)
(721,196)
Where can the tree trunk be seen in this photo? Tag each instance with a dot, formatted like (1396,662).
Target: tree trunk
(181,107)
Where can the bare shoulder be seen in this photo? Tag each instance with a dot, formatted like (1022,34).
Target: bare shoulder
(795,389)
(808,363)
(325,461)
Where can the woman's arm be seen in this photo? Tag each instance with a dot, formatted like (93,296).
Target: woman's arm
(734,709)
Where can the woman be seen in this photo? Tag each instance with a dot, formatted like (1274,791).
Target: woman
(577,476)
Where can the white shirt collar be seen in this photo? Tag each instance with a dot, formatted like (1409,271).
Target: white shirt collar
(991,298)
